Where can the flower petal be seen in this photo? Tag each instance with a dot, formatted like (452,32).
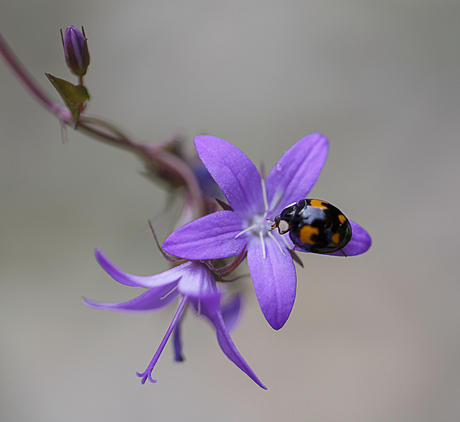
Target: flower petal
(360,241)
(296,172)
(209,237)
(209,306)
(231,311)
(274,279)
(198,281)
(158,280)
(154,298)
(235,174)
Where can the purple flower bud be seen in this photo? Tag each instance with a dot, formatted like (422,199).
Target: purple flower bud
(76,50)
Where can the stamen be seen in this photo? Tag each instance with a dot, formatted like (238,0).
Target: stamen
(167,294)
(147,374)
(246,230)
(277,197)
(276,241)
(264,193)
(261,235)
(286,242)
(262,170)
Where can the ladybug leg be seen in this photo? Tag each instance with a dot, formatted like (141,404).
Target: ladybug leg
(344,254)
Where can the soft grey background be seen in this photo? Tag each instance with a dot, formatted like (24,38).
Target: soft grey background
(371,338)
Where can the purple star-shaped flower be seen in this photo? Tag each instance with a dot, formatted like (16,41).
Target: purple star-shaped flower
(254,202)
(196,284)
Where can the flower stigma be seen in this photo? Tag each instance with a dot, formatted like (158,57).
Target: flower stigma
(260,224)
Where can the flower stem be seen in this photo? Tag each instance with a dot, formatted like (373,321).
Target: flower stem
(155,157)
(30,83)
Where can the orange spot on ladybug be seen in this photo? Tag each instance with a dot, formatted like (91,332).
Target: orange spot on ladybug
(336,238)
(306,232)
(318,204)
(342,218)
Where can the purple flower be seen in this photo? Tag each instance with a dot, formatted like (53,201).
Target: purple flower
(254,201)
(195,283)
(76,50)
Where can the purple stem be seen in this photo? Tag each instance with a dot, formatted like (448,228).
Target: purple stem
(150,154)
(20,71)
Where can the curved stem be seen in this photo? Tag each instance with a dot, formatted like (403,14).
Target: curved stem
(152,155)
(20,71)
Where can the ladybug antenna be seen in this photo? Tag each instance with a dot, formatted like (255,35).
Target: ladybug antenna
(274,224)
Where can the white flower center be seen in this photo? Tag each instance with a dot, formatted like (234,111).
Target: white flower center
(260,226)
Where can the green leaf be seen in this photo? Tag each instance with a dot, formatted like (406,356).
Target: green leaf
(74,96)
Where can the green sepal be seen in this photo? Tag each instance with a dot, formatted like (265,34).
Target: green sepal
(74,96)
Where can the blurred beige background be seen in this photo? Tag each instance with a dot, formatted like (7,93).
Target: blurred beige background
(371,338)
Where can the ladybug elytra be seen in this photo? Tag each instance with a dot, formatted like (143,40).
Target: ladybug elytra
(314,226)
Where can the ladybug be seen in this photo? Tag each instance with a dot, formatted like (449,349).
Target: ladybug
(314,226)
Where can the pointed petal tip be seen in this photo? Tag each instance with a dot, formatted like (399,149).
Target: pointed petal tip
(200,139)
(274,278)
(100,257)
(235,174)
(297,171)
(98,253)
(314,138)
(92,304)
(360,242)
(260,384)
(276,324)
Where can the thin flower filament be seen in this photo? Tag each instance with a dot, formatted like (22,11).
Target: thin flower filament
(260,225)
(167,294)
